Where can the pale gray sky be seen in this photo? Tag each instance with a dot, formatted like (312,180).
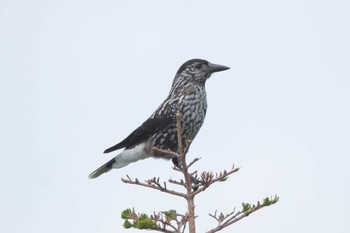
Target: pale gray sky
(78,76)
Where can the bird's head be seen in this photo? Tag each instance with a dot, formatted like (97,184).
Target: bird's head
(196,71)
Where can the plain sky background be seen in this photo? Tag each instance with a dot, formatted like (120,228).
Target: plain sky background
(78,76)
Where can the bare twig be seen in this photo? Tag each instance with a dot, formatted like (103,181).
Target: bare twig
(229,219)
(193,161)
(153,184)
(181,182)
(218,177)
(169,152)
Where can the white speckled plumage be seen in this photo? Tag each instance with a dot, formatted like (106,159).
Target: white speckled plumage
(188,97)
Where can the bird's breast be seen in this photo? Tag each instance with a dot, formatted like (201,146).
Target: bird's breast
(193,113)
(192,104)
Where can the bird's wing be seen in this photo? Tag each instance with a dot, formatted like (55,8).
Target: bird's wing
(142,133)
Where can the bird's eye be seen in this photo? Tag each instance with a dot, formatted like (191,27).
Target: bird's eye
(198,66)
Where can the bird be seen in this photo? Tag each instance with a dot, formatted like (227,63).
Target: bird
(187,97)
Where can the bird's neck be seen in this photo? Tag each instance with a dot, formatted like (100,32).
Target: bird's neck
(188,89)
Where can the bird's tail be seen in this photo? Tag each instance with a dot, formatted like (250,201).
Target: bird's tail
(103,169)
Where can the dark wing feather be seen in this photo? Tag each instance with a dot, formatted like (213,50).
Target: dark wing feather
(142,133)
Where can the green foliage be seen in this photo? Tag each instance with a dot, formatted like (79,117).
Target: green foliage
(127,224)
(246,207)
(269,201)
(144,222)
(140,221)
(170,215)
(126,214)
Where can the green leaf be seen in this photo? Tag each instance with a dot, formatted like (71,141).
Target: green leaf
(170,215)
(267,201)
(143,216)
(145,223)
(246,207)
(126,214)
(127,224)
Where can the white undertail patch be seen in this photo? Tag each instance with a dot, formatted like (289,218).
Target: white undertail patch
(131,155)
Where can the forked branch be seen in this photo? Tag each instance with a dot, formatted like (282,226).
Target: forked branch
(228,219)
(173,222)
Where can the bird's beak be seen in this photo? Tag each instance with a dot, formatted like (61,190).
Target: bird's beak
(217,68)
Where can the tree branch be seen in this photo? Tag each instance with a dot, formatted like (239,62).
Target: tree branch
(169,152)
(229,219)
(189,196)
(172,222)
(208,179)
(153,184)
